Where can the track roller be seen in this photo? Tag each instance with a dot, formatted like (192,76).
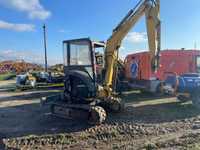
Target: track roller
(97,115)
(115,104)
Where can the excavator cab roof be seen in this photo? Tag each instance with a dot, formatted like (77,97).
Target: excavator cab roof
(96,44)
(81,49)
(80,54)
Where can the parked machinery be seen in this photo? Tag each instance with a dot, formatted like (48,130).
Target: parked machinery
(84,97)
(185,87)
(27,79)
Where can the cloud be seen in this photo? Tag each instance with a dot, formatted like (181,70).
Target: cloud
(33,8)
(122,48)
(136,37)
(63,31)
(27,55)
(16,27)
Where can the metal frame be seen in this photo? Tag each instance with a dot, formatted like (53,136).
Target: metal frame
(92,46)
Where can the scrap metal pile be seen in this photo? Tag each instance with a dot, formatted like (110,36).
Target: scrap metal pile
(17,66)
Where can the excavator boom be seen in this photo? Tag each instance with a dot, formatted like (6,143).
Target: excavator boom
(149,8)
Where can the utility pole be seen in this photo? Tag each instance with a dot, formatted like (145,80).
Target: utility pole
(45,46)
(195,45)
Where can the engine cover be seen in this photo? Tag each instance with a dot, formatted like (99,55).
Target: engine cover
(79,86)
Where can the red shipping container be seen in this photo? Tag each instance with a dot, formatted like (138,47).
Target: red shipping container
(137,66)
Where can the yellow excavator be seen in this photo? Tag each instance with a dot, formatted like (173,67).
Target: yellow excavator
(86,97)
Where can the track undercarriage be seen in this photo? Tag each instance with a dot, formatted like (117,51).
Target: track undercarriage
(94,112)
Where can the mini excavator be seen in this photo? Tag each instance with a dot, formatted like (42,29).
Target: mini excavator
(87,97)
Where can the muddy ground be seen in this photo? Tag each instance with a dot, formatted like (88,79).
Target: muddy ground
(148,122)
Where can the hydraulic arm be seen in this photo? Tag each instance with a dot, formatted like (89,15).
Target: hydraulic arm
(149,8)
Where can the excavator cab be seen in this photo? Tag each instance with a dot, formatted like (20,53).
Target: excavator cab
(81,67)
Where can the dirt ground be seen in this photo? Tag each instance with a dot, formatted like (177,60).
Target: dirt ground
(148,122)
(7,84)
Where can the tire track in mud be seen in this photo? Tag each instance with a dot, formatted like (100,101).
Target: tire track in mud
(120,131)
(118,135)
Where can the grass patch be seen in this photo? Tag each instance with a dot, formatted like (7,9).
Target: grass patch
(50,85)
(40,86)
(195,146)
(7,76)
